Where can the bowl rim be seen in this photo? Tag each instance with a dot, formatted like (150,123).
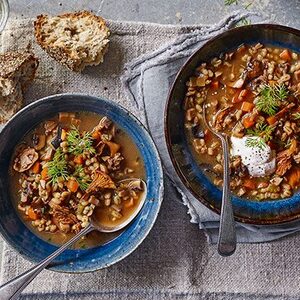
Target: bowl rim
(160,192)
(178,170)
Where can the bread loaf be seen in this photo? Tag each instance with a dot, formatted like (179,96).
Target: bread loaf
(76,40)
(17,70)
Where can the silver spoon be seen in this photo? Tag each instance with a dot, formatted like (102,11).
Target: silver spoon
(227,233)
(12,289)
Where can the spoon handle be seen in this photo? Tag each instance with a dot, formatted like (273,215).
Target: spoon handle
(227,233)
(12,289)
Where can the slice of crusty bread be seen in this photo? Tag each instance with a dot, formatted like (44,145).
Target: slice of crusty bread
(17,70)
(75,39)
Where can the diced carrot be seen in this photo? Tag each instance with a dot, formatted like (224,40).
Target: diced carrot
(31,214)
(96,135)
(215,85)
(250,184)
(248,122)
(63,134)
(78,160)
(247,106)
(44,173)
(272,120)
(72,185)
(285,55)
(294,178)
(36,168)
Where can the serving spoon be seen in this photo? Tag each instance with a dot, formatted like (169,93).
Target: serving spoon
(12,289)
(227,234)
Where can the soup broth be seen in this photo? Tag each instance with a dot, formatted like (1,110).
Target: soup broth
(252,96)
(69,168)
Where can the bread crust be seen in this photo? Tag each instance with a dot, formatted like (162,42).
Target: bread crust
(76,40)
(17,71)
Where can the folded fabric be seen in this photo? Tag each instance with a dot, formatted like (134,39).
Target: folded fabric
(147,80)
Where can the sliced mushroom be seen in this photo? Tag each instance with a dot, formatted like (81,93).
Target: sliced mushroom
(101,181)
(135,185)
(25,160)
(49,126)
(48,154)
(38,141)
(237,84)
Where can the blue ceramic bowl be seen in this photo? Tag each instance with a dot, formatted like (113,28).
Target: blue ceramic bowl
(34,248)
(252,212)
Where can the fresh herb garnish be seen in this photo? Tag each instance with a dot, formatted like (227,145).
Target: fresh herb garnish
(77,143)
(263,131)
(270,98)
(296,116)
(244,21)
(260,135)
(230,2)
(82,179)
(255,142)
(58,167)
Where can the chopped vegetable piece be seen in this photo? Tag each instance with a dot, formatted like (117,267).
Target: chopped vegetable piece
(31,214)
(294,178)
(44,173)
(96,135)
(72,185)
(285,55)
(248,122)
(250,184)
(36,167)
(78,160)
(215,85)
(272,120)
(63,134)
(247,106)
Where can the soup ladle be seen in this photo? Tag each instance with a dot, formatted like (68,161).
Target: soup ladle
(227,233)
(12,289)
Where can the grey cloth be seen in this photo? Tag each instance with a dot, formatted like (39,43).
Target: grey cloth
(148,81)
(175,261)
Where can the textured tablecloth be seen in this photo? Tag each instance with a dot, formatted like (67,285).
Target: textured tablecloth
(175,261)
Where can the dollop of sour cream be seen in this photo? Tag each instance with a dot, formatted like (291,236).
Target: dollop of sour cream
(259,161)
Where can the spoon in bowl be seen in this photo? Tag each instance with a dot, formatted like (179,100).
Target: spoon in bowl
(227,233)
(12,289)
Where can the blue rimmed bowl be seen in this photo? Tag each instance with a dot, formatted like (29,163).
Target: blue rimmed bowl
(34,248)
(246,211)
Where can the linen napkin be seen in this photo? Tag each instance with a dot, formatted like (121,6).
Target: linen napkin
(174,262)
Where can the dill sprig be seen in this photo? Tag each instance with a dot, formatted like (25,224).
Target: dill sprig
(244,21)
(77,143)
(296,116)
(255,142)
(263,131)
(270,98)
(58,167)
(230,2)
(82,179)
